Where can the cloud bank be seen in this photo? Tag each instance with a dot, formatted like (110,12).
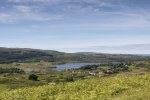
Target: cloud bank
(122,49)
(122,12)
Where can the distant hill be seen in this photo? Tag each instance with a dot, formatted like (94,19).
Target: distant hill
(9,55)
(143,54)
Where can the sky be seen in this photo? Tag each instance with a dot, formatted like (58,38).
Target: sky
(71,25)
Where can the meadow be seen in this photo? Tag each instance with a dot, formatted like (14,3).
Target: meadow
(120,87)
(123,81)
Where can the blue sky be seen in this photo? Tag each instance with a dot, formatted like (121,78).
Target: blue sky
(67,25)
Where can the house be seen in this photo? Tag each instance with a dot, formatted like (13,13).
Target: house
(92,73)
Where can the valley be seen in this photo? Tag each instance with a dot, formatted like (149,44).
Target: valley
(68,69)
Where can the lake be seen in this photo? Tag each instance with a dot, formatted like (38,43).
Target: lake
(60,67)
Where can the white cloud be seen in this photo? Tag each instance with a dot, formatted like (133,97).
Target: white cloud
(7,18)
(12,18)
(42,10)
(19,13)
(23,9)
(34,1)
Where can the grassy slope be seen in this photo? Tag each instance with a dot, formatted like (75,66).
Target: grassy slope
(27,65)
(121,87)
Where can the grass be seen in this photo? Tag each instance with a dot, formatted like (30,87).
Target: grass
(15,81)
(131,85)
(120,87)
(27,65)
(3,87)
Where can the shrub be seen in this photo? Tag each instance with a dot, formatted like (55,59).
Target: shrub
(33,77)
(69,79)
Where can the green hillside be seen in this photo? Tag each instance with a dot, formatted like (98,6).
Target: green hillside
(9,55)
(121,87)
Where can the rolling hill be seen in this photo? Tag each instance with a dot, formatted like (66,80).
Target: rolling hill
(9,55)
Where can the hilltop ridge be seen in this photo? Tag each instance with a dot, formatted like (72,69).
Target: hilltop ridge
(9,55)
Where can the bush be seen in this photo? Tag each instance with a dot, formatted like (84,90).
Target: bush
(11,70)
(33,77)
(69,79)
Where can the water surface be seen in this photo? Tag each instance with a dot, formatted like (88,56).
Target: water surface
(61,67)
